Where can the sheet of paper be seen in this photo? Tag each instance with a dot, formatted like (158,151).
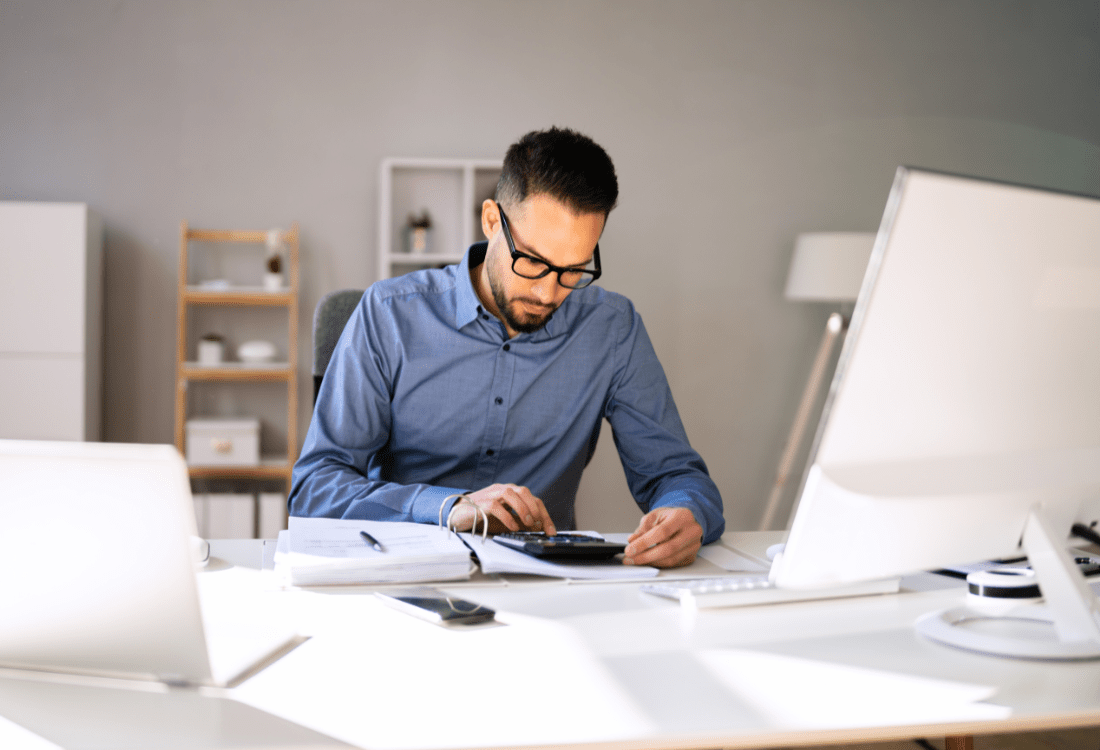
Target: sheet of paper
(338,537)
(496,558)
(731,560)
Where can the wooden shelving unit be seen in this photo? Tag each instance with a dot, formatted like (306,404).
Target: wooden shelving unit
(187,372)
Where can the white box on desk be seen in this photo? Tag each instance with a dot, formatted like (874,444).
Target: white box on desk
(223,442)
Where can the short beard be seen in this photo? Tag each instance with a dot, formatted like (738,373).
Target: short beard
(504,307)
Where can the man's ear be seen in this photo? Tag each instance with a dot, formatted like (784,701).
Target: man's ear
(490,218)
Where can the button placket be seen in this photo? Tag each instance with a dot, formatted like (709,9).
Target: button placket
(496,422)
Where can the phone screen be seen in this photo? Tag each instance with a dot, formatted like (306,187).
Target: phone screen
(435,606)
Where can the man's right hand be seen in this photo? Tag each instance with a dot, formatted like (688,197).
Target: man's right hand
(509,508)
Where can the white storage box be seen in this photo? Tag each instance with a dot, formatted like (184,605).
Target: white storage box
(223,442)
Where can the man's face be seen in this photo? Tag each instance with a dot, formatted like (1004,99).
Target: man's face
(544,228)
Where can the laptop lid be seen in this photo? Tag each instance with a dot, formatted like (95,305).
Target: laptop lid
(96,569)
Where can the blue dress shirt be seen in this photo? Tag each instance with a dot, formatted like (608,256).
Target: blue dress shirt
(426,396)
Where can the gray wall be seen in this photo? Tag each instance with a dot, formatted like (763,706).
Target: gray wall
(734,126)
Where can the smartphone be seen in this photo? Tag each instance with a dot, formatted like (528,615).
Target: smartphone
(434,606)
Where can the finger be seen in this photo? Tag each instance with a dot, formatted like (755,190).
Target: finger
(660,529)
(679,550)
(644,552)
(674,539)
(531,510)
(501,511)
(647,523)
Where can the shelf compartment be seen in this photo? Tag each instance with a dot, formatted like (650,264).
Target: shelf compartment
(451,190)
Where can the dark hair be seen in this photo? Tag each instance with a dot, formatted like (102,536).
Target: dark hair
(563,164)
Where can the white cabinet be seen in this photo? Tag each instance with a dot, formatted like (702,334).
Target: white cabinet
(450,191)
(51,321)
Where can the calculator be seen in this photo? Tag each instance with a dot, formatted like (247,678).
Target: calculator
(563,546)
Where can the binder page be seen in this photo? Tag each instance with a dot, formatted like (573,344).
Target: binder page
(496,558)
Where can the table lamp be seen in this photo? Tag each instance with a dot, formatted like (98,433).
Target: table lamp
(826,267)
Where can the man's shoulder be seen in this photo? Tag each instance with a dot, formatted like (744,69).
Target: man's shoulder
(595,300)
(425,283)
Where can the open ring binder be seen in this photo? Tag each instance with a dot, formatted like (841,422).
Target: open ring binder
(478,513)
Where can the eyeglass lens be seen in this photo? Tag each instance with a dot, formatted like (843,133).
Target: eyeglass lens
(533,268)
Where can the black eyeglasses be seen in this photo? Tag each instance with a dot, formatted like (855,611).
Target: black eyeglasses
(530,267)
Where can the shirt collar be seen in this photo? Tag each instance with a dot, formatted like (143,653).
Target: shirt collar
(467,303)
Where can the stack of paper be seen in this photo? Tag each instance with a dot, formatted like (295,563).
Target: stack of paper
(319,551)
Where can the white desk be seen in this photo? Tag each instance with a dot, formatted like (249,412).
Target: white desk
(643,673)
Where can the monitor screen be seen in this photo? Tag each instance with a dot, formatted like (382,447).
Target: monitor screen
(967,393)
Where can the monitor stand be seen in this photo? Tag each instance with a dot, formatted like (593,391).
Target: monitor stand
(1066,627)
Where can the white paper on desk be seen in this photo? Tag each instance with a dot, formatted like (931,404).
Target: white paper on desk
(496,558)
(731,559)
(320,551)
(813,694)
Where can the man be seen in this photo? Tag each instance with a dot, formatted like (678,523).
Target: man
(484,385)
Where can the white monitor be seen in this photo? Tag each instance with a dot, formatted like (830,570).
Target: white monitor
(965,408)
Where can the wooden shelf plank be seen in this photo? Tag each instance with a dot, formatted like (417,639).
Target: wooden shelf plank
(275,372)
(227,235)
(237,296)
(258,471)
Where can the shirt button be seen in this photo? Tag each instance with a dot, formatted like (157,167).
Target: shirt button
(507,347)
(484,317)
(499,400)
(490,452)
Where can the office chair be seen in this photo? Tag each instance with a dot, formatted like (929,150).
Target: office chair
(329,318)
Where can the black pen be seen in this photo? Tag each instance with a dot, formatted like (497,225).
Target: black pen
(372,541)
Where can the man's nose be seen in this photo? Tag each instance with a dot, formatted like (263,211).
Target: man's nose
(546,288)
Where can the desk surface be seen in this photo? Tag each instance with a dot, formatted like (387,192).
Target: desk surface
(582,664)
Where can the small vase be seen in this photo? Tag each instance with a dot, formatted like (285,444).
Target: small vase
(210,352)
(273,282)
(418,240)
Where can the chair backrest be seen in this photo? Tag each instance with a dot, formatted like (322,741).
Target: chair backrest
(329,319)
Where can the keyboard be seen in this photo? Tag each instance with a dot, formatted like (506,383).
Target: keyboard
(755,588)
(575,547)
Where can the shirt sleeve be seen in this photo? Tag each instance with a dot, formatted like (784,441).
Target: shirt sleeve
(339,473)
(661,467)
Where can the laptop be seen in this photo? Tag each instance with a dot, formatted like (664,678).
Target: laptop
(98,574)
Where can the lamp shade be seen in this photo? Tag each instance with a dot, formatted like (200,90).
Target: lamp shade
(829,266)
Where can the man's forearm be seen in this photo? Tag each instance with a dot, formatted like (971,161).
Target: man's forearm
(328,488)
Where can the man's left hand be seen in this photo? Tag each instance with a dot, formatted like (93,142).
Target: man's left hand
(666,538)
